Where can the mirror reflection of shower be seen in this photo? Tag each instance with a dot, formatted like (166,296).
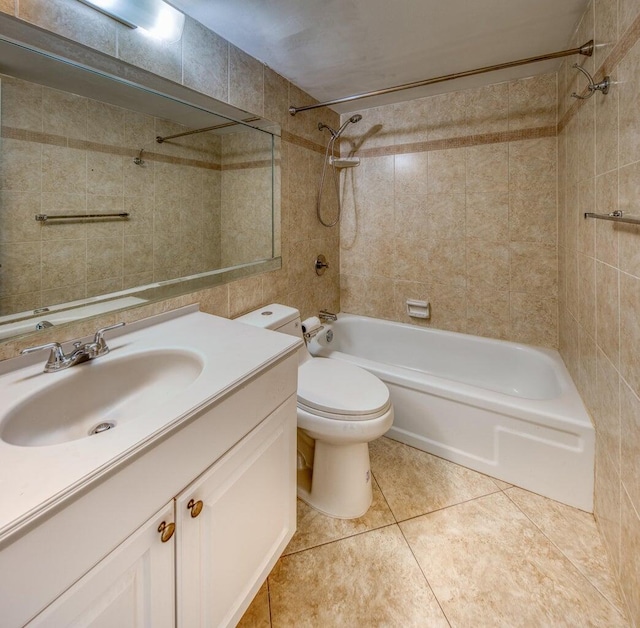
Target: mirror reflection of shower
(330,160)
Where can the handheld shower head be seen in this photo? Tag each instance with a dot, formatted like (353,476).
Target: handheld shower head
(351,120)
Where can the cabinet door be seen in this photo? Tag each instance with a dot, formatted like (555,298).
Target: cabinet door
(247,517)
(133,586)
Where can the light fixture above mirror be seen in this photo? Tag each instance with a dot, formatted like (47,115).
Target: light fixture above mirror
(154,17)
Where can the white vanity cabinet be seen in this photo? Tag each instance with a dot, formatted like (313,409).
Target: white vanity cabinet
(80,543)
(133,586)
(231,525)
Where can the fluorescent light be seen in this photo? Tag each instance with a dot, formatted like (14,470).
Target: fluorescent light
(155,17)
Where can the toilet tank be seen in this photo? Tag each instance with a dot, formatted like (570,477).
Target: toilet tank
(275,317)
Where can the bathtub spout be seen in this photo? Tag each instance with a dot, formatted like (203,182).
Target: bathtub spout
(327,317)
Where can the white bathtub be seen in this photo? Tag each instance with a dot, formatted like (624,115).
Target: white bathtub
(504,409)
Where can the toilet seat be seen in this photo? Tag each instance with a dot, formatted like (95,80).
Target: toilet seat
(341,391)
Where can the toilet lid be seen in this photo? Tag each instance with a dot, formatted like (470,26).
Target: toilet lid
(341,389)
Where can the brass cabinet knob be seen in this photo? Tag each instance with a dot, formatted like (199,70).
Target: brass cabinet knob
(166,531)
(195,507)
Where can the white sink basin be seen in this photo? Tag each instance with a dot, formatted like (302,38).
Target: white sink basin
(99,394)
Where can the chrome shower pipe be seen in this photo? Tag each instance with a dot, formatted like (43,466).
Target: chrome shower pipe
(585,49)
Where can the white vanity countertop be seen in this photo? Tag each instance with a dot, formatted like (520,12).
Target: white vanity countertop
(35,478)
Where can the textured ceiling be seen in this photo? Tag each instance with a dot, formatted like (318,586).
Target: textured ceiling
(336,48)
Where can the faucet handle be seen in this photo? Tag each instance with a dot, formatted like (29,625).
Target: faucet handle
(56,359)
(98,341)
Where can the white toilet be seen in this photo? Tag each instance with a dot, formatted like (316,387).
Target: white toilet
(341,407)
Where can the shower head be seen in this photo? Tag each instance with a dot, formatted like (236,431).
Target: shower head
(336,134)
(352,120)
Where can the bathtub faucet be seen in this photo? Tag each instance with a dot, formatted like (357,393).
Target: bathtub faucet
(327,317)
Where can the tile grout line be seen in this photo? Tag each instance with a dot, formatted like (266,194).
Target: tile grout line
(576,567)
(424,575)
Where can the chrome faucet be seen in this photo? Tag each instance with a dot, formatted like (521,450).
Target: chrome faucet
(58,360)
(327,317)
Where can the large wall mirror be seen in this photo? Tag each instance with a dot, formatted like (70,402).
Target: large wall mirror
(114,191)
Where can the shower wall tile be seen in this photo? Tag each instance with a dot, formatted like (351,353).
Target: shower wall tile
(8,6)
(22,104)
(533,102)
(487,216)
(487,168)
(447,116)
(603,179)
(488,109)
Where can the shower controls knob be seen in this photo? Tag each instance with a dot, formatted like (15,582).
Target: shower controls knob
(321,264)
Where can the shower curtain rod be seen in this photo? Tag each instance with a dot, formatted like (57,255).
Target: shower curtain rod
(161,139)
(585,49)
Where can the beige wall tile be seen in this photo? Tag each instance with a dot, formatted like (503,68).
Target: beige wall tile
(533,102)
(487,168)
(409,121)
(64,264)
(488,264)
(629,98)
(17,210)
(276,98)
(246,81)
(606,28)
(534,319)
(533,268)
(21,104)
(630,549)
(7,6)
(532,164)
(627,12)
(73,20)
(446,171)
(205,60)
(630,445)
(533,217)
(607,130)
(587,294)
(411,173)
(487,216)
(606,409)
(487,311)
(630,330)
(447,116)
(607,232)
(488,109)
(608,311)
(19,161)
(157,56)
(63,170)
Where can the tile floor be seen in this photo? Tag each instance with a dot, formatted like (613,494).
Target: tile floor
(441,546)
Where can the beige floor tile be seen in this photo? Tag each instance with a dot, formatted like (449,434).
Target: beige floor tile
(257,615)
(490,566)
(371,579)
(414,482)
(315,528)
(575,534)
(501,484)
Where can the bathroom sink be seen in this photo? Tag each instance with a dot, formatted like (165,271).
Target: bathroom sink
(91,399)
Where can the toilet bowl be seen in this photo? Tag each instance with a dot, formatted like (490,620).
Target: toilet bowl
(341,408)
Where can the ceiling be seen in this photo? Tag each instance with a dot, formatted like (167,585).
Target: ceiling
(336,48)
